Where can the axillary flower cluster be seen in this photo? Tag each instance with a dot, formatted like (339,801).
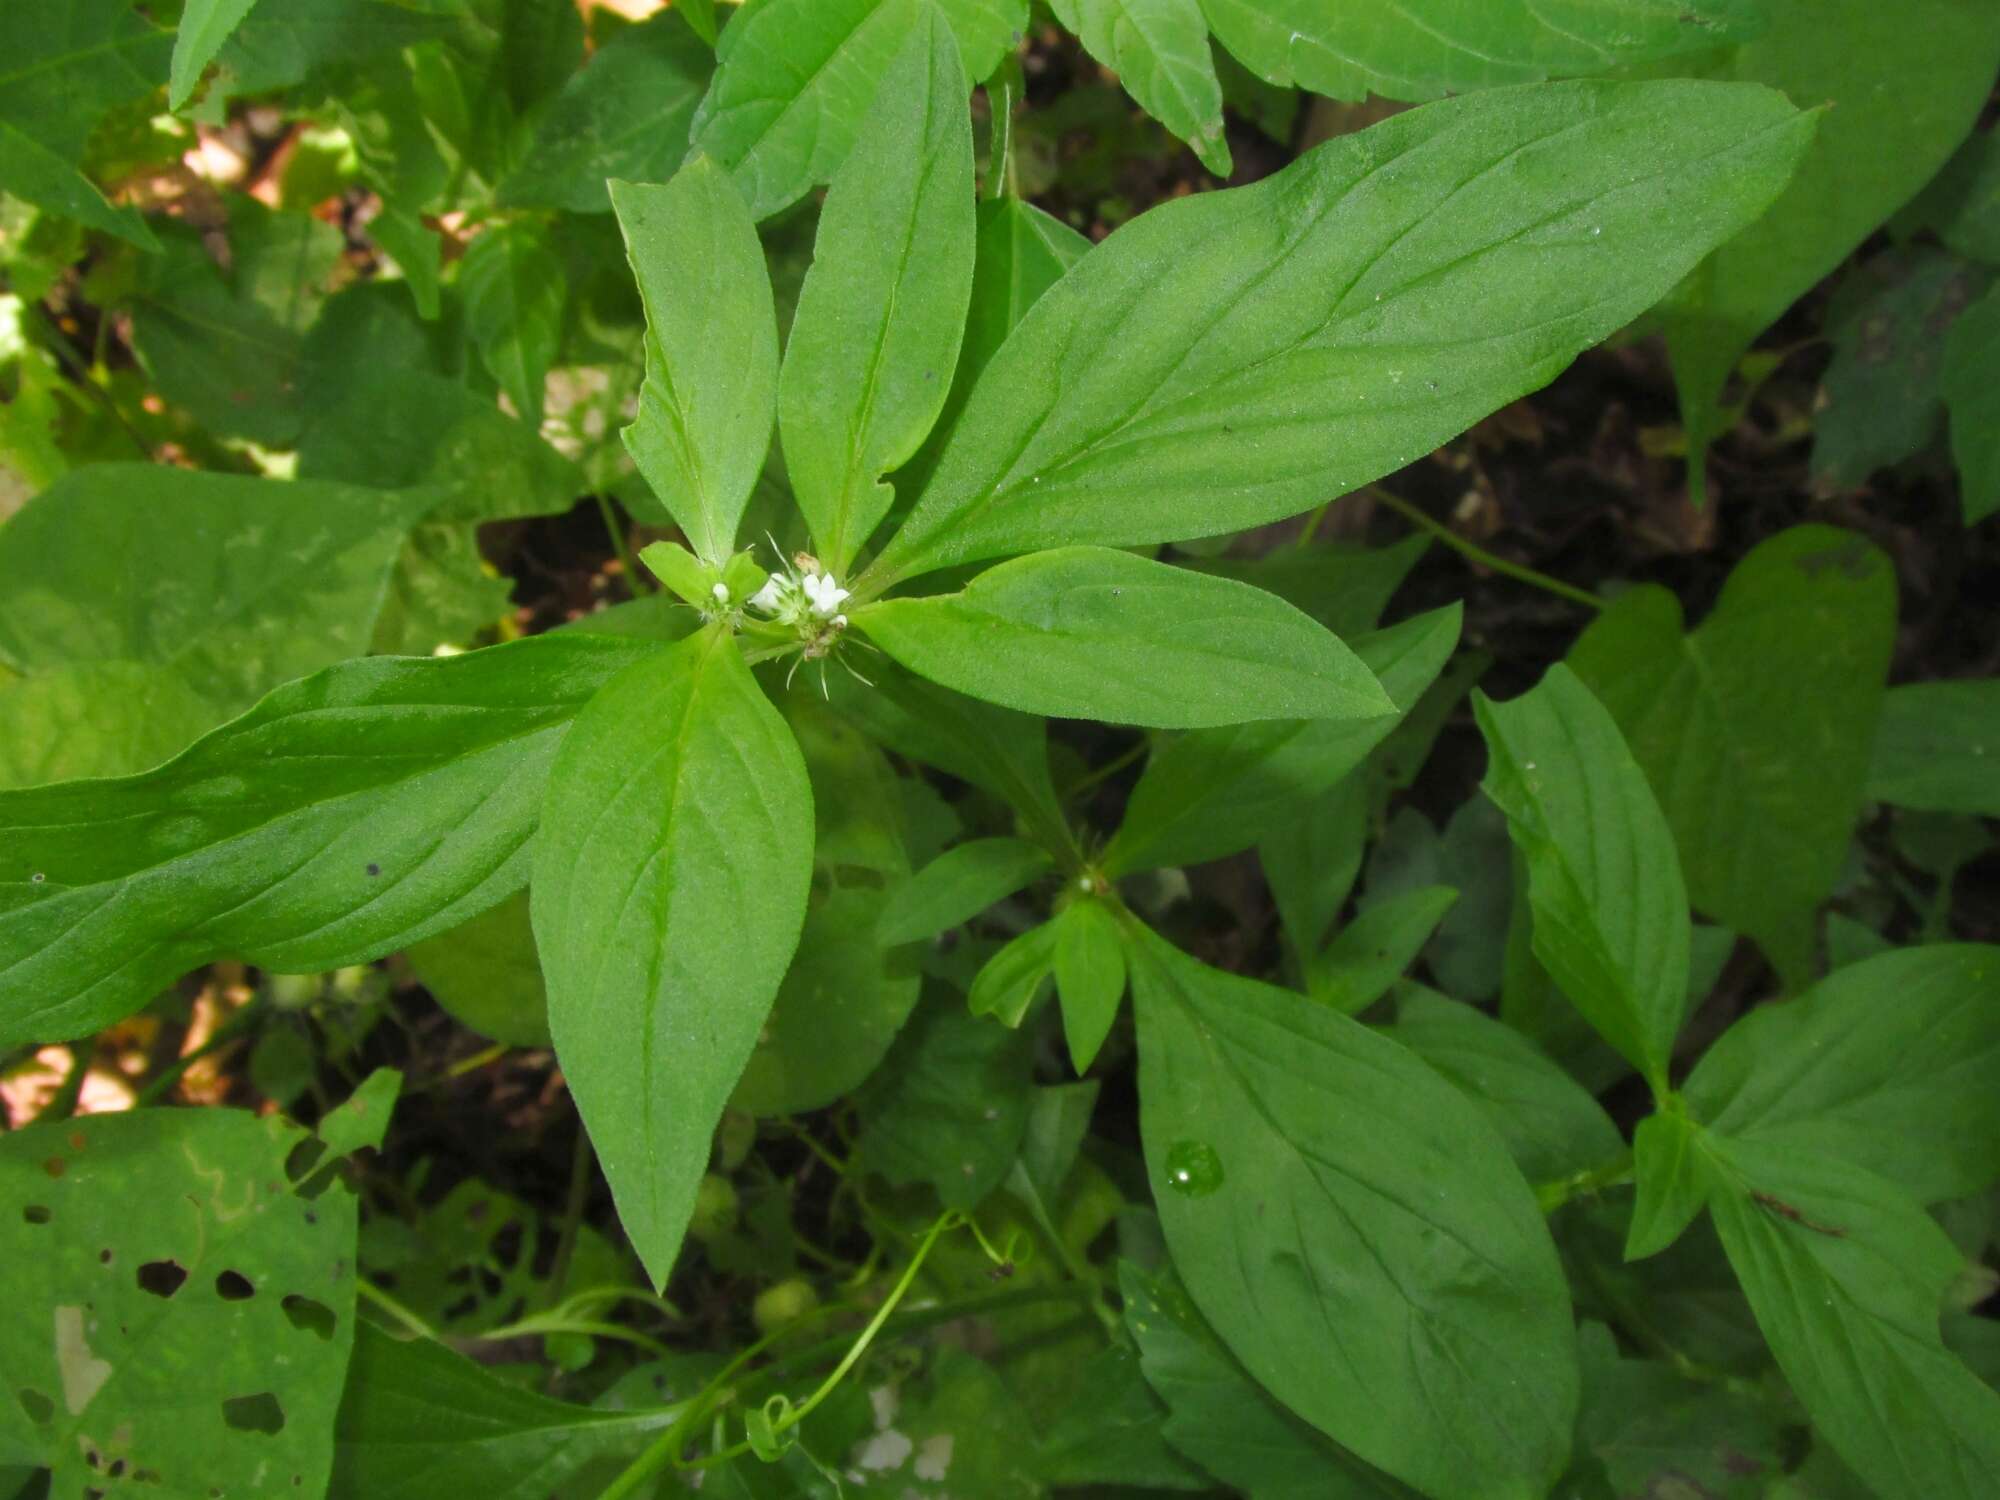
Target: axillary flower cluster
(807,599)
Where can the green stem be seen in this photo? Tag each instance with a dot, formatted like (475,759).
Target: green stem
(1110,768)
(1553,1195)
(637,582)
(580,1163)
(226,1033)
(1479,555)
(373,1293)
(63,1105)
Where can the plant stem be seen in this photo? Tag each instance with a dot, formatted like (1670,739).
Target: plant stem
(1475,553)
(372,1293)
(237,1023)
(580,1162)
(635,580)
(63,1105)
(1109,769)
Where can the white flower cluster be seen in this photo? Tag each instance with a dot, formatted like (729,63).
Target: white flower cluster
(801,597)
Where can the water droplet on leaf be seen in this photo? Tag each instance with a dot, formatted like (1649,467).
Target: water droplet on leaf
(1193,1169)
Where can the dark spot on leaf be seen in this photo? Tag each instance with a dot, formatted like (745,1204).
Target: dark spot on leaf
(117,1469)
(258,1413)
(36,1213)
(506,1246)
(234,1286)
(161,1277)
(104,1257)
(373,868)
(55,1166)
(93,1494)
(478,1211)
(95,1460)
(311,1217)
(40,1409)
(308,1316)
(145,1476)
(38,877)
(76,1140)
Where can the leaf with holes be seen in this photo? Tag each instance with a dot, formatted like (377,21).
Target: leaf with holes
(179,1317)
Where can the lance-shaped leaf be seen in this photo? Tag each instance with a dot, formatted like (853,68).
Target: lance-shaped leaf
(1611,918)
(1888,1063)
(1159,50)
(1419,49)
(1230,358)
(514,294)
(793,81)
(419,1420)
(1355,1231)
(958,885)
(1093,633)
(876,336)
(66,63)
(1846,1276)
(670,886)
(1214,791)
(711,349)
(205,26)
(344,816)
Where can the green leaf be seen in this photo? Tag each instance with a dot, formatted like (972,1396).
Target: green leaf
(1004,752)
(180,1317)
(1754,729)
(1088,632)
(1658,1432)
(1887,1063)
(1343,587)
(361,1120)
(879,318)
(1212,792)
(987,31)
(1009,982)
(343,817)
(1882,401)
(711,349)
(958,885)
(1674,1182)
(68,63)
(793,81)
(1355,1231)
(1552,1127)
(1846,1276)
(486,975)
(1370,954)
(514,294)
(1222,1419)
(846,994)
(442,592)
(231,349)
(1962,203)
(204,623)
(1610,913)
(1159,50)
(949,1105)
(1904,85)
(98,718)
(1937,747)
(205,25)
(1114,1438)
(278,45)
(625,115)
(419,1421)
(1318,329)
(1090,975)
(1420,49)
(1971,378)
(670,886)
(1310,861)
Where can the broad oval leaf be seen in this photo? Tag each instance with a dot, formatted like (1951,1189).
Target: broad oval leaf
(1419,49)
(1754,728)
(1093,633)
(704,423)
(121,1356)
(670,885)
(1611,920)
(1355,1231)
(346,815)
(1232,358)
(1887,1063)
(876,335)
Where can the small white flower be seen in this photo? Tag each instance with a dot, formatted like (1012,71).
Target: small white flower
(721,593)
(824,594)
(771,597)
(840,621)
